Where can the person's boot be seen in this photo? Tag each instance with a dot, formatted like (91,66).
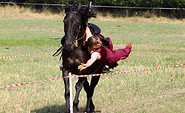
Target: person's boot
(130,45)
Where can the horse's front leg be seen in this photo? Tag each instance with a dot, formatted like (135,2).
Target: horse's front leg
(90,106)
(67,93)
(78,87)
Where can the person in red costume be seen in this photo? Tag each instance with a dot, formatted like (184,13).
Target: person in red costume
(103,54)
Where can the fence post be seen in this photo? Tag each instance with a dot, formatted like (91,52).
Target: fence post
(71,97)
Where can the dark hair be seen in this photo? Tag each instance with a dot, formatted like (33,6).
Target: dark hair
(93,40)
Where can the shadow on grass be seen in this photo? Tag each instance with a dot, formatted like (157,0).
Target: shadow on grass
(56,109)
(50,109)
(53,38)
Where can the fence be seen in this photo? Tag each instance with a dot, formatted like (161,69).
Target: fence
(95,6)
(121,11)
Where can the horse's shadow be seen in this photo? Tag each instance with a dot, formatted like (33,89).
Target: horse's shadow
(56,109)
(50,109)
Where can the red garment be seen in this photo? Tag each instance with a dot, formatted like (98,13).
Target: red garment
(110,57)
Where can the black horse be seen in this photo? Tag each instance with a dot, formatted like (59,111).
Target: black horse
(74,53)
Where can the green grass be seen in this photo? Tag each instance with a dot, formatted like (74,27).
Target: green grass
(154,45)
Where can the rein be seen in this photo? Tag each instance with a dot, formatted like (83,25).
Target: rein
(77,39)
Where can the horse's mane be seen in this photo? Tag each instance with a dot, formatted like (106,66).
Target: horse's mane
(84,11)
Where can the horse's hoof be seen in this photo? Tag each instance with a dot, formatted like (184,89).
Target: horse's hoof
(92,107)
(67,111)
(75,110)
(88,111)
(75,106)
(85,111)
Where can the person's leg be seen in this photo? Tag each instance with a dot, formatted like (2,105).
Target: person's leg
(121,53)
(110,44)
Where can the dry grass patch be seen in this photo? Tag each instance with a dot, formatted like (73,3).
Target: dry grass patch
(138,19)
(15,12)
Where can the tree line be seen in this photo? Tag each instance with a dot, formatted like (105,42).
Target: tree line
(129,3)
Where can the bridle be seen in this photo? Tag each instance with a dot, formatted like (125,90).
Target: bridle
(59,51)
(77,39)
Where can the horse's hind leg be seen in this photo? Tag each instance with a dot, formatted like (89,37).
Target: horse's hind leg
(78,87)
(90,106)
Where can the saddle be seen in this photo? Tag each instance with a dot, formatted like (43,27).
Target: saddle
(95,30)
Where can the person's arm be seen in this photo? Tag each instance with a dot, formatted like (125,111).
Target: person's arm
(88,33)
(93,58)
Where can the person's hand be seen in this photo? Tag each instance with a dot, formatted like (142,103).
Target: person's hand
(82,66)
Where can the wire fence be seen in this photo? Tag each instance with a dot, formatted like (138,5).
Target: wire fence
(95,6)
(115,11)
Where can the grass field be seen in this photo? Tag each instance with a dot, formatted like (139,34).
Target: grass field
(154,45)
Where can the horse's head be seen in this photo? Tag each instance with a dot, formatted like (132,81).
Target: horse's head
(75,23)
